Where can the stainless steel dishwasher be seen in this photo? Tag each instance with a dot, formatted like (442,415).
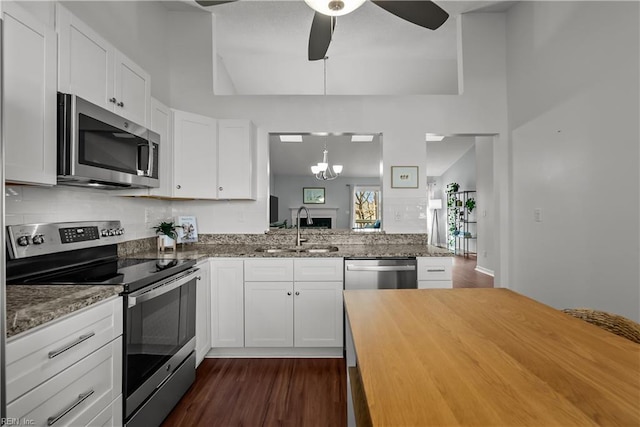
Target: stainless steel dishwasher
(380,273)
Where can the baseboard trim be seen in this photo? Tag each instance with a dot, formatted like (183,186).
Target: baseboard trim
(484,270)
(329,352)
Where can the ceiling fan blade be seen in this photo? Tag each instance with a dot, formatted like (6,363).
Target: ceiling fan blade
(425,13)
(320,36)
(205,3)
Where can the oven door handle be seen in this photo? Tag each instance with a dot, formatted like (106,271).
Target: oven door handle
(161,289)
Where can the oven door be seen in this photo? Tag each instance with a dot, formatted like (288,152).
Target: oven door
(160,334)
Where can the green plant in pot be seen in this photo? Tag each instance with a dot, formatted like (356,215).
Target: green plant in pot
(453,187)
(470,204)
(166,231)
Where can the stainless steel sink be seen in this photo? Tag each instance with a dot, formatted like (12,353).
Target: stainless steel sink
(275,250)
(321,250)
(311,250)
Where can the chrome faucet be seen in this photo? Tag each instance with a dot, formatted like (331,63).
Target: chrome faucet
(309,222)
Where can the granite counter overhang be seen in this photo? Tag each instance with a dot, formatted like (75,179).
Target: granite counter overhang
(203,251)
(29,306)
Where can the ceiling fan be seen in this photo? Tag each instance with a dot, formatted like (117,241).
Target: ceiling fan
(424,13)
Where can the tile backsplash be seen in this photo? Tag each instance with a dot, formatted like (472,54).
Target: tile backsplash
(30,204)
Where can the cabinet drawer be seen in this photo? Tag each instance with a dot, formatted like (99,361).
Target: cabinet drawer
(268,270)
(77,395)
(315,269)
(38,355)
(435,284)
(434,268)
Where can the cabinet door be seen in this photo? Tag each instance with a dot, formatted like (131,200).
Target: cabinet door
(203,311)
(85,61)
(194,156)
(162,124)
(268,308)
(132,90)
(236,160)
(318,314)
(227,303)
(29,55)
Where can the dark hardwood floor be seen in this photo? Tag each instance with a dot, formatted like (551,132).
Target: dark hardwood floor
(281,392)
(265,392)
(465,275)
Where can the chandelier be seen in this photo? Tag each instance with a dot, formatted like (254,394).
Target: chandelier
(322,171)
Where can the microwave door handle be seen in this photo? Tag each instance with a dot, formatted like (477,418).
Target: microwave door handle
(150,164)
(145,295)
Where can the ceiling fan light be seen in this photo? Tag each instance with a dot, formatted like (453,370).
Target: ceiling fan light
(315,169)
(323,166)
(337,168)
(334,7)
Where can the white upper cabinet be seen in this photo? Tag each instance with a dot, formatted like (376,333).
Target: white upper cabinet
(29,80)
(162,123)
(237,159)
(93,69)
(195,156)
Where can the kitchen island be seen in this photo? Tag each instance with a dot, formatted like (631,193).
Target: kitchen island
(487,357)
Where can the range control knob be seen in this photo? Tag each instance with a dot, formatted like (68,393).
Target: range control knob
(104,232)
(119,231)
(38,239)
(112,232)
(23,241)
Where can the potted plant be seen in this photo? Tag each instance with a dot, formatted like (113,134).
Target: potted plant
(167,234)
(470,204)
(453,187)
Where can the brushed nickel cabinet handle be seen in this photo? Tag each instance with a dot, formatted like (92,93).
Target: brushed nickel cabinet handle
(81,398)
(178,186)
(435,270)
(297,293)
(288,293)
(120,104)
(81,338)
(112,100)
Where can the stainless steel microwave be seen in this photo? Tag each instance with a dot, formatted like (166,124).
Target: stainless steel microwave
(100,149)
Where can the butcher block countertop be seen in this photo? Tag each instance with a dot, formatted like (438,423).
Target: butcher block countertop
(488,357)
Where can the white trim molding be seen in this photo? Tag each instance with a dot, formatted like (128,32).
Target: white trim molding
(484,270)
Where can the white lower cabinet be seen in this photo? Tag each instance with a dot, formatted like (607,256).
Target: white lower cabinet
(435,272)
(227,302)
(293,313)
(318,314)
(268,308)
(203,311)
(68,372)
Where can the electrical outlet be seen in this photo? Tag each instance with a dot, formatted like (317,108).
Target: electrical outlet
(397,215)
(537,215)
(484,212)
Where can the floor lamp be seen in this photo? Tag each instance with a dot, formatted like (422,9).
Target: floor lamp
(435,204)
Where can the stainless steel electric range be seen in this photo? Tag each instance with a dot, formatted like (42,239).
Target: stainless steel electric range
(159,298)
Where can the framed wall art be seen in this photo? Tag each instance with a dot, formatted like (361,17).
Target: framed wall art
(404,176)
(313,195)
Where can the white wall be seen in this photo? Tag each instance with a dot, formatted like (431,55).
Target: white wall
(573,87)
(403,120)
(485,213)
(337,195)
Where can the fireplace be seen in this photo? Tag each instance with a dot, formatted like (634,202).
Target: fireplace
(322,222)
(322,217)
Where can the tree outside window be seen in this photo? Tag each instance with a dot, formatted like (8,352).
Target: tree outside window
(366,207)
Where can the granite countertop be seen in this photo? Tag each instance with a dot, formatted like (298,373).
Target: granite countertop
(199,251)
(29,306)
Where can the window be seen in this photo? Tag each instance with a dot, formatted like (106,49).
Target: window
(366,207)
